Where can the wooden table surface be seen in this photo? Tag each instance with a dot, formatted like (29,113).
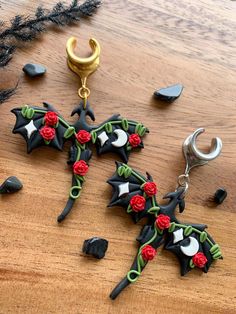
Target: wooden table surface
(145,45)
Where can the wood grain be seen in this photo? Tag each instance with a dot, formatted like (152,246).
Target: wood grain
(145,45)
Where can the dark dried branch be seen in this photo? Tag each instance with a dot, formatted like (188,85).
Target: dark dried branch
(23,29)
(6,93)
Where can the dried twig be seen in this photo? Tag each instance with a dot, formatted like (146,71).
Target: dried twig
(23,29)
(6,93)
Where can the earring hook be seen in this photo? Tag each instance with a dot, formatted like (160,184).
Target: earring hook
(83,67)
(194,157)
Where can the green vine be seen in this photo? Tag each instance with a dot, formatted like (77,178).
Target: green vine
(60,119)
(28,112)
(77,188)
(139,128)
(140,262)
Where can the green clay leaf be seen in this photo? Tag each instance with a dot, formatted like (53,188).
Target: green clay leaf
(108,127)
(188,231)
(191,265)
(125,124)
(203,236)
(153,210)
(128,147)
(120,170)
(129,209)
(138,128)
(142,131)
(172,227)
(29,113)
(127,172)
(217,255)
(160,232)
(47,142)
(69,132)
(94,136)
(81,178)
(215,248)
(82,146)
(24,110)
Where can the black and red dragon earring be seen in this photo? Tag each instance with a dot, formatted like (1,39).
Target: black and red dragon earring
(192,245)
(45,126)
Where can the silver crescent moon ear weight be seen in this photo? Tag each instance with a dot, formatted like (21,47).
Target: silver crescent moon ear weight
(194,157)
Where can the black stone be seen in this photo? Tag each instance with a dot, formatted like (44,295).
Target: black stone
(169,93)
(96,247)
(220,195)
(34,70)
(10,185)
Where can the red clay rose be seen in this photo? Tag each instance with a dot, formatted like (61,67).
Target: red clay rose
(163,222)
(148,253)
(47,133)
(80,168)
(134,140)
(51,118)
(150,188)
(83,136)
(199,260)
(137,203)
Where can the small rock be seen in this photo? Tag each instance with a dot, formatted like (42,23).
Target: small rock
(10,185)
(169,93)
(96,247)
(220,195)
(34,70)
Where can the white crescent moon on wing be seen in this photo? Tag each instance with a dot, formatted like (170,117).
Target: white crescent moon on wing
(122,138)
(192,248)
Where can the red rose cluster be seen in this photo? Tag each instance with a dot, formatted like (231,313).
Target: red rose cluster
(150,188)
(148,253)
(163,222)
(48,132)
(137,203)
(51,118)
(134,140)
(199,260)
(83,136)
(80,167)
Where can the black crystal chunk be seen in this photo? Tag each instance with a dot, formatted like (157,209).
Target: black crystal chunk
(10,185)
(96,247)
(220,195)
(169,93)
(34,70)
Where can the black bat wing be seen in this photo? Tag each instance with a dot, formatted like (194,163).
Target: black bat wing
(127,183)
(29,121)
(181,240)
(113,136)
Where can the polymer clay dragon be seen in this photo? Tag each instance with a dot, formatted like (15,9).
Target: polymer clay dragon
(46,127)
(192,245)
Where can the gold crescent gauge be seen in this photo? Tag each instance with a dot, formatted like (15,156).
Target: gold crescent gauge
(83,67)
